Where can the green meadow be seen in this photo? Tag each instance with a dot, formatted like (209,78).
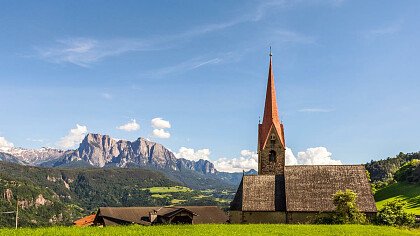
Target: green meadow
(406,192)
(257,229)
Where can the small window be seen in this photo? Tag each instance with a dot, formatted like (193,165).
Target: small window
(272,155)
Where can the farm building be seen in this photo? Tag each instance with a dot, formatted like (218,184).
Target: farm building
(85,221)
(292,194)
(107,216)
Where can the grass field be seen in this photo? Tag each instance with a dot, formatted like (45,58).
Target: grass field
(174,189)
(409,193)
(260,229)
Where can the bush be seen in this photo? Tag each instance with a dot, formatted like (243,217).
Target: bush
(346,211)
(393,214)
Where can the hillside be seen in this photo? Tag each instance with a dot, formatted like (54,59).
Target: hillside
(49,196)
(384,170)
(409,193)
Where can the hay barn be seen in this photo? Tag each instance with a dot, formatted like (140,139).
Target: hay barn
(292,194)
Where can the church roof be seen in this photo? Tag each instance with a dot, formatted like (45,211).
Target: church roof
(271,116)
(307,189)
(310,188)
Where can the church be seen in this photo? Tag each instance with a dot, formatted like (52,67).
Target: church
(292,194)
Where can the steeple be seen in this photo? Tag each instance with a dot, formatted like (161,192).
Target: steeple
(271,144)
(271,116)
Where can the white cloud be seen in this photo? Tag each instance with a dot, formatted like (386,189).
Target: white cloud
(249,160)
(130,126)
(35,140)
(316,156)
(4,144)
(290,157)
(191,154)
(159,123)
(74,137)
(161,133)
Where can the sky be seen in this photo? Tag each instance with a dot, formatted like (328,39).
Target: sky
(191,75)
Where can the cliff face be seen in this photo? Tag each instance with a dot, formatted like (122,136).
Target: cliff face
(103,151)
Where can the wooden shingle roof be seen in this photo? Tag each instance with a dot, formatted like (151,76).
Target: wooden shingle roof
(311,187)
(304,188)
(122,215)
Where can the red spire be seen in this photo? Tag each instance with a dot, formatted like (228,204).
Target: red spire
(271,116)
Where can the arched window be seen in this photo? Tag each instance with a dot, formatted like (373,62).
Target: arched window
(272,155)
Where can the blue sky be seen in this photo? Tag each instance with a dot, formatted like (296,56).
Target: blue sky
(347,73)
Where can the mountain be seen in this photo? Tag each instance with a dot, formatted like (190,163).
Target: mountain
(34,156)
(10,158)
(103,151)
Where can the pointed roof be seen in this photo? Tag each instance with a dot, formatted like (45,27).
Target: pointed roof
(271,116)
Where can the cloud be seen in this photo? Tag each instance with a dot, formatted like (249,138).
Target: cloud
(85,51)
(182,67)
(74,137)
(192,155)
(287,36)
(315,110)
(390,29)
(5,145)
(159,126)
(35,140)
(106,96)
(130,126)
(249,160)
(316,156)
(161,133)
(246,161)
(160,123)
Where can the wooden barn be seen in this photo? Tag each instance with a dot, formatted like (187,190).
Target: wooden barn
(107,216)
(292,194)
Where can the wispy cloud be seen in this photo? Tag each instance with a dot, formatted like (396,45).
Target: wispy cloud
(182,67)
(315,110)
(84,51)
(286,36)
(107,96)
(389,29)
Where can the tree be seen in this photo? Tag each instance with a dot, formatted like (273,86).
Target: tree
(392,213)
(346,209)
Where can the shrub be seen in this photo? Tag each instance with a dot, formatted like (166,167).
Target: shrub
(392,213)
(346,211)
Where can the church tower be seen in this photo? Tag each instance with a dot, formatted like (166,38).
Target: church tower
(271,143)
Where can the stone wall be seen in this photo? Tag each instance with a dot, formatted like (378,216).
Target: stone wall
(257,217)
(272,167)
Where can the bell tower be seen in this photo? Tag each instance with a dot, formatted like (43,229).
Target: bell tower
(271,143)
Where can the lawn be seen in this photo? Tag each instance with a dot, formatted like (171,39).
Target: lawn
(409,193)
(259,229)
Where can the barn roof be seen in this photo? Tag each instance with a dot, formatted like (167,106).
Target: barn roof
(306,188)
(116,215)
(85,221)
